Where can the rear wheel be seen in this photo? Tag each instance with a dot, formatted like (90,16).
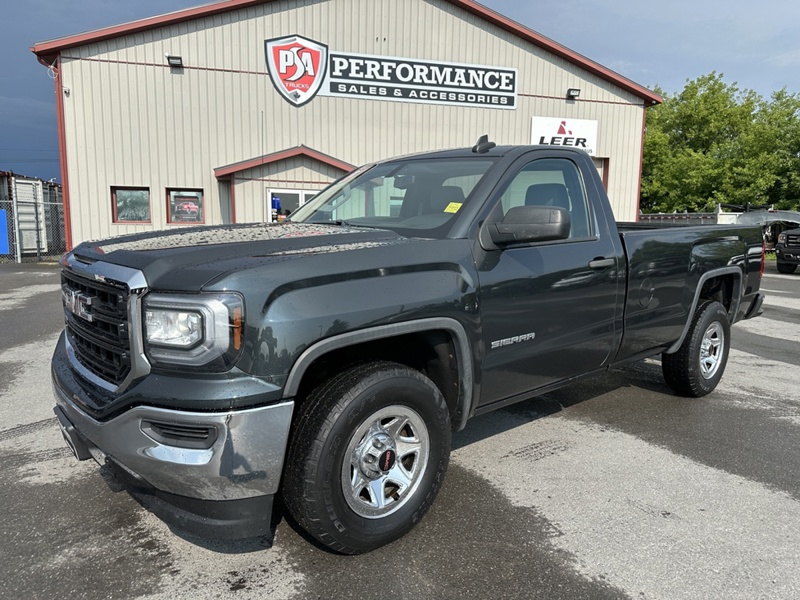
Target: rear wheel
(368,454)
(697,367)
(786,268)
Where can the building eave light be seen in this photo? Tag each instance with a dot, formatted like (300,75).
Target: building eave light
(174,60)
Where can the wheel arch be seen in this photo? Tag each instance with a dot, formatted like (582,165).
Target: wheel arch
(439,347)
(724,285)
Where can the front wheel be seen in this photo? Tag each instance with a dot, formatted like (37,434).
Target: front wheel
(368,454)
(696,368)
(786,268)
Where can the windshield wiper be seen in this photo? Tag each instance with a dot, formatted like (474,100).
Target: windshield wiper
(349,224)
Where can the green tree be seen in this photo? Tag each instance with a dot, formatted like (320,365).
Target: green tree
(780,122)
(713,142)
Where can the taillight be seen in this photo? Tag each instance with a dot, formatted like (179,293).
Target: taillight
(763,253)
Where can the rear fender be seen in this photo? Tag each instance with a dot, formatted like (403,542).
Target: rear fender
(705,278)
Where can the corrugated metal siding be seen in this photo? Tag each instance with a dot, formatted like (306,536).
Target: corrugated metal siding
(131,121)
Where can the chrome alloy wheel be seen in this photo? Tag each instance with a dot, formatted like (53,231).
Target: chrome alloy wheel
(711,350)
(385,461)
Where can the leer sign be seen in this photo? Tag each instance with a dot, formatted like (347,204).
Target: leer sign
(570,133)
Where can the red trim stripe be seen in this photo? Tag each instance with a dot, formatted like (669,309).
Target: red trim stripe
(265,74)
(166,66)
(278,180)
(583,100)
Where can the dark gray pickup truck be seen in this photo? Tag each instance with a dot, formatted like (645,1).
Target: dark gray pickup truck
(329,358)
(787,251)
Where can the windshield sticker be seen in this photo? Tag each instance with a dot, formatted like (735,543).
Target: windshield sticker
(453,207)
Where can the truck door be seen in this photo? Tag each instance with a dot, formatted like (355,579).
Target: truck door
(549,309)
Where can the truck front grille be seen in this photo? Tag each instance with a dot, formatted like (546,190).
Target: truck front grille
(793,240)
(96,314)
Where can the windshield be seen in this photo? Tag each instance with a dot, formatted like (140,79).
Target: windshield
(412,197)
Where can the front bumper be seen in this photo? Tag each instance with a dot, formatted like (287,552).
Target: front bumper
(788,255)
(213,473)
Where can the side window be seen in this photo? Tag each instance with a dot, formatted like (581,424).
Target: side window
(130,204)
(551,182)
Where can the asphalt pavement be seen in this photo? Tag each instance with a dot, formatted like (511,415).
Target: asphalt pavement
(611,488)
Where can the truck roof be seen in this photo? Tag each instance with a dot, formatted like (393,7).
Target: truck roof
(508,151)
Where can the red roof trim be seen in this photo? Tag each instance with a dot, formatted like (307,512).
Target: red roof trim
(546,43)
(98,35)
(227,171)
(48,49)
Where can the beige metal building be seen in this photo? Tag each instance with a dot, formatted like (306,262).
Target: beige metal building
(215,114)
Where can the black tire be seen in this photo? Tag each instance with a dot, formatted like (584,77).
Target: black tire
(367,456)
(696,368)
(786,268)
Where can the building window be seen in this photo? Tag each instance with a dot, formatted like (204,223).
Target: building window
(130,204)
(185,206)
(282,203)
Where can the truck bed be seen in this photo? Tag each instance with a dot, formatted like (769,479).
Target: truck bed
(666,267)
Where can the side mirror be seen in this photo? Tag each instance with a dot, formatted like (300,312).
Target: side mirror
(526,224)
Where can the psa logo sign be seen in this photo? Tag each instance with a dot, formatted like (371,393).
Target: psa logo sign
(297,67)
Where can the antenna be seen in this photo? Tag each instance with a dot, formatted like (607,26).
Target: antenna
(483,145)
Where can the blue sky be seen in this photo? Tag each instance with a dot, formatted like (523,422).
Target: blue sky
(754,44)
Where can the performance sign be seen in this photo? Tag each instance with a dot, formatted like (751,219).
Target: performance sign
(302,68)
(407,80)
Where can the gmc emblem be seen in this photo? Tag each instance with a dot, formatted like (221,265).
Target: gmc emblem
(78,303)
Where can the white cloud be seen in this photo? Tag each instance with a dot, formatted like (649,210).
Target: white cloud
(666,43)
(786,59)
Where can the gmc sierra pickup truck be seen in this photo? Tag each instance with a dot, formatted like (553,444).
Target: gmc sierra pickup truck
(787,251)
(330,357)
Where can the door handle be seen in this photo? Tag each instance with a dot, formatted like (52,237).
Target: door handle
(601,263)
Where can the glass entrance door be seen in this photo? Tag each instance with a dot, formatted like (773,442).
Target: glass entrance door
(281,203)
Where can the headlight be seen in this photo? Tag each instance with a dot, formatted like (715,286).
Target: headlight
(173,328)
(193,331)
(781,238)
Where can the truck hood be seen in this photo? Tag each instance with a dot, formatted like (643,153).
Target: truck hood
(189,258)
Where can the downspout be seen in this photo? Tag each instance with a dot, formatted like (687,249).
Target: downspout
(233,198)
(641,164)
(62,145)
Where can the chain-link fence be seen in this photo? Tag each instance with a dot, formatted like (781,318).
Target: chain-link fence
(31,220)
